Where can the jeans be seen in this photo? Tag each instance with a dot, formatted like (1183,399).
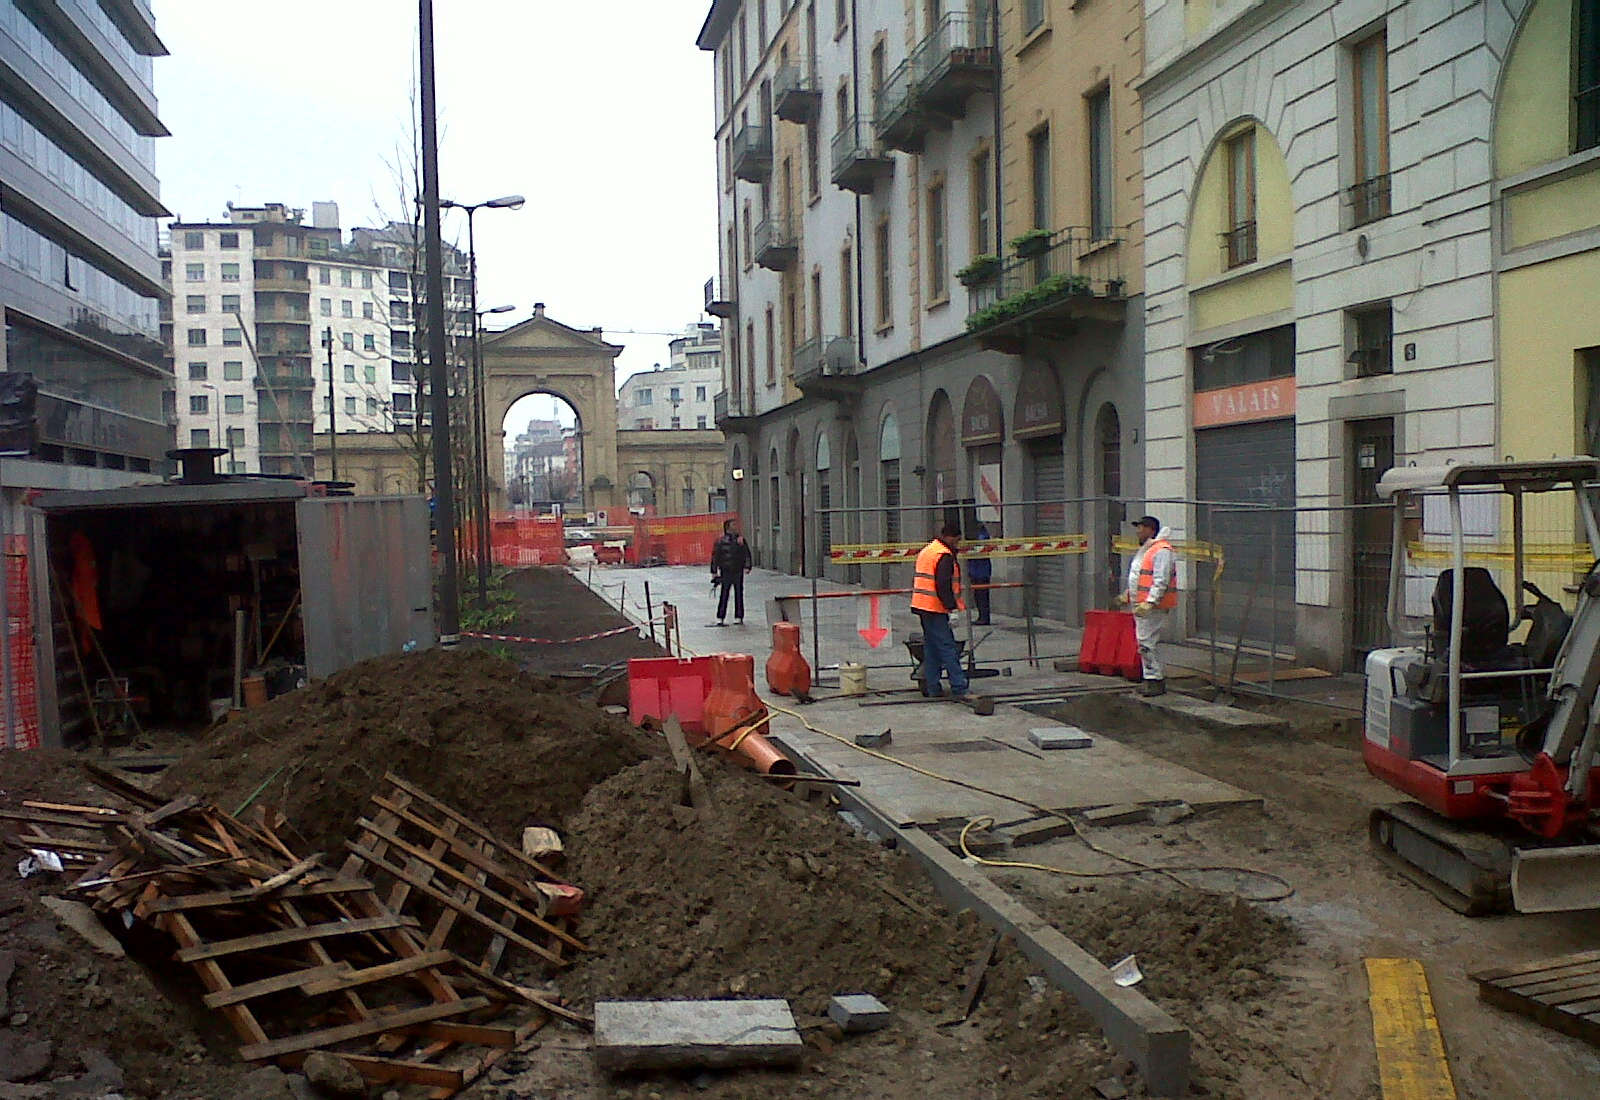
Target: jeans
(734,584)
(980,603)
(939,653)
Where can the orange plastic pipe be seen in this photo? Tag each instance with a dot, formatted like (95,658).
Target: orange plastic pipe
(755,752)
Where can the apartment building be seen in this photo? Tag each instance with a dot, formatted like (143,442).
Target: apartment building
(925,291)
(680,395)
(283,333)
(1339,192)
(80,278)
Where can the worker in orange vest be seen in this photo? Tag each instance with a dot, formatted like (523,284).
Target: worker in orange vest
(935,592)
(1153,592)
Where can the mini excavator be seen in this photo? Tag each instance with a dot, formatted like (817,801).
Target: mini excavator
(1493,740)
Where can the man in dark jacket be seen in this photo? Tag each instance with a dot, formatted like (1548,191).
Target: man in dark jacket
(980,571)
(730,561)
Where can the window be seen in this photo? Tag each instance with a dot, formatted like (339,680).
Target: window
(885,308)
(236,442)
(349,372)
(749,252)
(347,308)
(761,26)
(676,423)
(841,108)
(348,340)
(195,303)
(199,437)
(228,240)
(938,257)
(194,240)
(791,331)
(324,275)
(744,49)
(876,68)
(1372,340)
(847,294)
(675,395)
(197,338)
(643,396)
(399,339)
(700,422)
(401,402)
(366,310)
(1239,242)
(194,273)
(350,406)
(232,337)
(372,406)
(233,370)
(1039,175)
(1586,95)
(1102,166)
(982,216)
(813,161)
(699,393)
(841,13)
(199,404)
(772,358)
(316,244)
(1032,15)
(346,277)
(398,281)
(230,303)
(369,342)
(325,306)
(1369,87)
(197,372)
(369,373)
(366,280)
(230,273)
(233,403)
(400,372)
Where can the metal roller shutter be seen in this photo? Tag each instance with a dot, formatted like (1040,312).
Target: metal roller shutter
(1048,482)
(1251,464)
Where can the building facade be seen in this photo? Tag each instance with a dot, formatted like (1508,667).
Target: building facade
(929,274)
(680,395)
(80,277)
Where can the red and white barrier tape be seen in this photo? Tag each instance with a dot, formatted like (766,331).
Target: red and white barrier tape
(549,641)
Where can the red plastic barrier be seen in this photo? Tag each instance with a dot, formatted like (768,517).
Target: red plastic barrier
(663,686)
(678,540)
(1110,646)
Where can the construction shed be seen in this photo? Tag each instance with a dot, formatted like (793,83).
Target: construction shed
(165,599)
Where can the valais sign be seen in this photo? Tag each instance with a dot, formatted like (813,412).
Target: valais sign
(1270,400)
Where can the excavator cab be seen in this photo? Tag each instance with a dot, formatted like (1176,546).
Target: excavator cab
(1489,729)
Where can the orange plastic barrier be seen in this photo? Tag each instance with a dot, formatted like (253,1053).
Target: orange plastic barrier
(678,540)
(527,540)
(1109,647)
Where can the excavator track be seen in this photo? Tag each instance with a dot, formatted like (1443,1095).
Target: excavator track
(1468,870)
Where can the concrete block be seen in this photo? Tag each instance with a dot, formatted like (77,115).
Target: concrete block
(980,842)
(874,740)
(1037,832)
(1213,715)
(1060,737)
(1117,815)
(1171,813)
(633,1035)
(1065,664)
(859,1012)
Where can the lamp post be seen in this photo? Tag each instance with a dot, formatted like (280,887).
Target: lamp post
(479,415)
(216,396)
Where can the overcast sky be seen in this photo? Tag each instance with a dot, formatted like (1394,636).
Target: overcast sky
(599,113)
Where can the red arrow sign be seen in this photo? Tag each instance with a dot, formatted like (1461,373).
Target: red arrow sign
(874,633)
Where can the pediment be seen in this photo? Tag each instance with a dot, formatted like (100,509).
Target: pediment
(540,333)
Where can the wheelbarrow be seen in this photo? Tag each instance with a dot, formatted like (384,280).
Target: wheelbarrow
(913,644)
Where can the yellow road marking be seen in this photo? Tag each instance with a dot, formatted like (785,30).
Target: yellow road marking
(1411,1060)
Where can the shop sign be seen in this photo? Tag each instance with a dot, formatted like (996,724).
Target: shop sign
(982,422)
(1038,403)
(1270,400)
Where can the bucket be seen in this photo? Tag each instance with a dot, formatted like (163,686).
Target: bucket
(852,679)
(255,691)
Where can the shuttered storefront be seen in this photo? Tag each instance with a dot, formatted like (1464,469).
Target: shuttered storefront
(1252,464)
(1047,474)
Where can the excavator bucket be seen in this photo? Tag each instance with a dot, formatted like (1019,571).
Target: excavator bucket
(1555,880)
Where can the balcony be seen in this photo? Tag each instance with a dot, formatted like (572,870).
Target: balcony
(955,63)
(729,414)
(282,284)
(719,303)
(858,162)
(1239,245)
(776,243)
(903,120)
(1066,279)
(826,367)
(283,381)
(795,94)
(752,154)
(1369,200)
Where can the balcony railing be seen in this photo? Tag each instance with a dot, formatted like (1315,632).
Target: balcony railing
(719,303)
(858,162)
(752,153)
(955,62)
(732,414)
(826,365)
(902,120)
(1369,200)
(1239,245)
(776,244)
(795,94)
(1076,276)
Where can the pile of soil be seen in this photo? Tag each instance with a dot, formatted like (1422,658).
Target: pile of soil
(505,748)
(552,604)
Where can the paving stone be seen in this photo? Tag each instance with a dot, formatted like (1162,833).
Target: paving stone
(1036,832)
(1117,815)
(632,1035)
(1212,714)
(859,1012)
(1060,737)
(874,740)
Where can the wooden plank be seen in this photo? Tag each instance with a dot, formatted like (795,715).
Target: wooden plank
(483,1035)
(1498,973)
(295,979)
(38,839)
(478,857)
(180,805)
(212,977)
(122,788)
(1561,998)
(349,978)
(445,899)
(381,1070)
(1557,985)
(68,821)
(71,808)
(472,826)
(283,936)
(1552,974)
(532,996)
(223,898)
(1568,1023)
(1411,1059)
(389,1021)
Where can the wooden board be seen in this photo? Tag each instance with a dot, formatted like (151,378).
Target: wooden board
(1562,993)
(1411,1059)
(388,1021)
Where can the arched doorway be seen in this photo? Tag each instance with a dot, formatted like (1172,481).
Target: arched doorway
(939,451)
(794,468)
(774,508)
(852,498)
(1038,423)
(543,465)
(824,527)
(642,493)
(889,528)
(1108,476)
(983,433)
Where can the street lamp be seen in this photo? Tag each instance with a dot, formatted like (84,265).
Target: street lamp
(479,414)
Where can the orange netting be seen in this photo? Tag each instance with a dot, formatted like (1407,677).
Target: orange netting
(678,540)
(19,713)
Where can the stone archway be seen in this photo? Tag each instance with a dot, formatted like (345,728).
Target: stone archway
(544,356)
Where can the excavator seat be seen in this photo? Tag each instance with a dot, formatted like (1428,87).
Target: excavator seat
(1485,619)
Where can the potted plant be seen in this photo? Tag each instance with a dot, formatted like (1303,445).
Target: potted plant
(981,271)
(1035,242)
(1114,288)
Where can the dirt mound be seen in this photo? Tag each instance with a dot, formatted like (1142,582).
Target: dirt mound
(502,747)
(775,897)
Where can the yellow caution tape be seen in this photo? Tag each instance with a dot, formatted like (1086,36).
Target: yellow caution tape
(1545,555)
(1028,546)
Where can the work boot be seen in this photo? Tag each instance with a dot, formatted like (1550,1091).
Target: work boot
(1154,687)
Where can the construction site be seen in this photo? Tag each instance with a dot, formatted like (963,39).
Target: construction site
(612,847)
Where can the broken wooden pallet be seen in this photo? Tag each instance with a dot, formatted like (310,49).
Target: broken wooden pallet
(1562,993)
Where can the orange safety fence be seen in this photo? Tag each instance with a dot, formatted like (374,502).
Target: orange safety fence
(678,540)
(19,710)
(527,540)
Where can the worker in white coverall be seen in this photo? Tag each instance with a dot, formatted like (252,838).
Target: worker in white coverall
(1152,592)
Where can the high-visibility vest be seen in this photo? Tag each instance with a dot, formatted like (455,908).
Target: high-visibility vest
(1147,576)
(924,588)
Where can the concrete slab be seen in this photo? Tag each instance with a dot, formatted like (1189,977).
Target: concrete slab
(1060,737)
(859,1012)
(1214,715)
(634,1035)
